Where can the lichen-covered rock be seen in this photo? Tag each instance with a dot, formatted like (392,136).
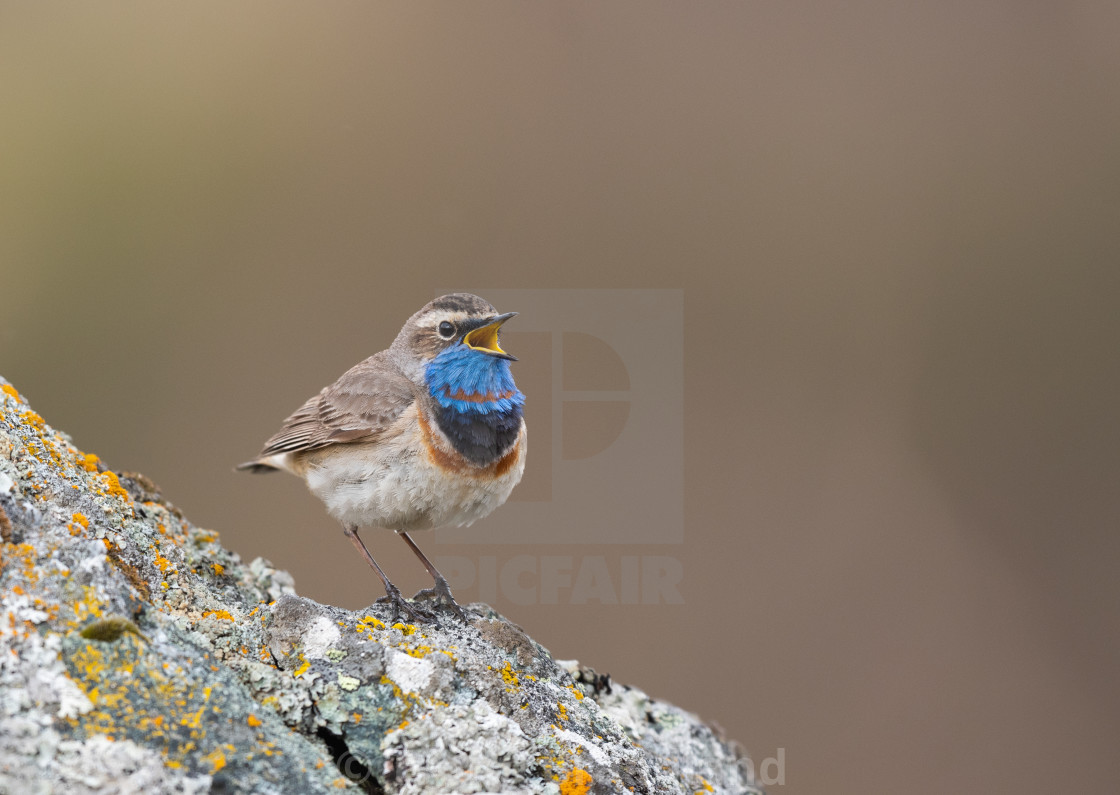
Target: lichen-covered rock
(138,655)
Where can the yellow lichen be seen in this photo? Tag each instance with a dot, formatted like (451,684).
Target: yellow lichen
(218,568)
(222,614)
(193,720)
(305,664)
(369,621)
(87,607)
(396,688)
(133,690)
(509,675)
(216,758)
(419,652)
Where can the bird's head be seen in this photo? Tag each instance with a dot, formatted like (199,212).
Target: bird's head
(452,344)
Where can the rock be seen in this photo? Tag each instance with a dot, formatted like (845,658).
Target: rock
(139,656)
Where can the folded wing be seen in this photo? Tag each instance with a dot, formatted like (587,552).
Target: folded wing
(359,407)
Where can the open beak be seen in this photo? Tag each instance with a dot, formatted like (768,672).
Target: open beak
(484,338)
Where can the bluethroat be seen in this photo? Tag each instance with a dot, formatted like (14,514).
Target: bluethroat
(425,434)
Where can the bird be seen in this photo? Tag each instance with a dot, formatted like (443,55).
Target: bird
(427,433)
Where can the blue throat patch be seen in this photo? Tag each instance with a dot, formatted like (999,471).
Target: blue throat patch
(480,406)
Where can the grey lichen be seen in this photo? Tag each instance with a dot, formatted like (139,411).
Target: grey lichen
(138,655)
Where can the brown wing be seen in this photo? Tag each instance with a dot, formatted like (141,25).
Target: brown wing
(359,406)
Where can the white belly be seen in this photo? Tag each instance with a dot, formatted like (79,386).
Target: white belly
(395,484)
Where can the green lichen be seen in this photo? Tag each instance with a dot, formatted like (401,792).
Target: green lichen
(111,629)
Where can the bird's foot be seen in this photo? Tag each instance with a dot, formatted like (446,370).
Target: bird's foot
(399,604)
(441,595)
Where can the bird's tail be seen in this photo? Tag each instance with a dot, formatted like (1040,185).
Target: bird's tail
(256,467)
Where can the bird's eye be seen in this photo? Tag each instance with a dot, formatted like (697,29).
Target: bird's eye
(446,330)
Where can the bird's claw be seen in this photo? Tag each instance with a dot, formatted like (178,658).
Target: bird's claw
(440,593)
(398,603)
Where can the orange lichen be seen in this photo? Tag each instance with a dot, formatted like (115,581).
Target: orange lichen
(87,461)
(222,614)
(34,420)
(78,523)
(11,390)
(26,555)
(218,568)
(114,487)
(577,782)
(254,721)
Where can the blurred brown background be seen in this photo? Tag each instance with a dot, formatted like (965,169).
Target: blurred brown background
(897,231)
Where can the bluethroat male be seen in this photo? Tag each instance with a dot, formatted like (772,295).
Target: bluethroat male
(425,434)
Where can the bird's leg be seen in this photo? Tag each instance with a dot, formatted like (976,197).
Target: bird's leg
(392,593)
(442,591)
